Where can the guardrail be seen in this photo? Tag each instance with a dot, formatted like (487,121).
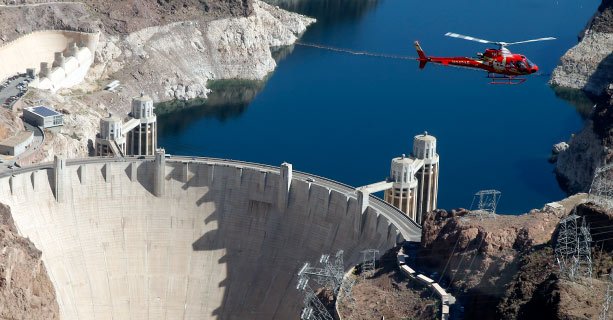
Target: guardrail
(411,274)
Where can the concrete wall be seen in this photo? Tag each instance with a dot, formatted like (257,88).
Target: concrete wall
(30,50)
(216,245)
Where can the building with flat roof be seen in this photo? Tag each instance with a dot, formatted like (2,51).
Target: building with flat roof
(16,144)
(44,117)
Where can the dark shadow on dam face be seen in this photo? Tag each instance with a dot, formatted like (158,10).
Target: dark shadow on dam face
(144,175)
(263,247)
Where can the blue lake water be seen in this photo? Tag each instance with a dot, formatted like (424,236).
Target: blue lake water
(345,116)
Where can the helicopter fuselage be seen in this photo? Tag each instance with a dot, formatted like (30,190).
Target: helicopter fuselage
(496,61)
(492,61)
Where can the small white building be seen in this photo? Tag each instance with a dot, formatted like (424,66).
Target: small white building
(16,144)
(43,117)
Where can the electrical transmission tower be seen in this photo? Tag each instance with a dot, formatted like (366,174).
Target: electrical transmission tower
(486,201)
(329,274)
(369,257)
(604,314)
(601,190)
(313,308)
(573,248)
(584,251)
(346,287)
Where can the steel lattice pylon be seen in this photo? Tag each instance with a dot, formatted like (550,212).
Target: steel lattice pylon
(486,201)
(601,190)
(329,274)
(573,248)
(604,314)
(313,308)
(369,257)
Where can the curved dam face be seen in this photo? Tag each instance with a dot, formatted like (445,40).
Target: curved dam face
(222,241)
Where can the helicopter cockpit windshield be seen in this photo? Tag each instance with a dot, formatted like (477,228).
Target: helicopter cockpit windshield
(521,65)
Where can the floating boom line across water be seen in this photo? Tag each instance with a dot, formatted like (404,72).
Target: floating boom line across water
(355,52)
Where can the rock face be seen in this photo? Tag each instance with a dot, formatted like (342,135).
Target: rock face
(588,150)
(26,292)
(575,166)
(537,288)
(479,256)
(175,61)
(589,64)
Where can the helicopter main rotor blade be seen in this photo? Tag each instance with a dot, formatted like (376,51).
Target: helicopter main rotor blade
(533,40)
(461,36)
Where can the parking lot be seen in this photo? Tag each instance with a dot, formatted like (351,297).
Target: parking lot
(12,89)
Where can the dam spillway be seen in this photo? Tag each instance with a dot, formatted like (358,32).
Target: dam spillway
(224,240)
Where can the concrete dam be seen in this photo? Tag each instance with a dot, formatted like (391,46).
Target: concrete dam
(189,238)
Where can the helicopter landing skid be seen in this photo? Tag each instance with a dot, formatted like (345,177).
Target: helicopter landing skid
(504,79)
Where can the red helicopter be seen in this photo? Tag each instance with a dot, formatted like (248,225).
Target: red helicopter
(502,66)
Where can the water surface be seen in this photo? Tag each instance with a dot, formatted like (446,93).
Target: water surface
(345,116)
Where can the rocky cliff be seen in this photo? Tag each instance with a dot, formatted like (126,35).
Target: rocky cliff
(538,288)
(589,65)
(478,256)
(175,61)
(587,150)
(26,292)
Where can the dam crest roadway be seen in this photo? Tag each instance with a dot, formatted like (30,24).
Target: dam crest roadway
(186,237)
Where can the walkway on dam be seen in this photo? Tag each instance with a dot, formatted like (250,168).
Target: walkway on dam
(409,229)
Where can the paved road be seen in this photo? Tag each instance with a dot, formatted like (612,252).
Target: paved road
(408,228)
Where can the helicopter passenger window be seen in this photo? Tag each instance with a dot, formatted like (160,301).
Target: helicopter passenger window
(521,65)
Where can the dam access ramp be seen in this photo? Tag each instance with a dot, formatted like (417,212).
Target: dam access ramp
(186,237)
